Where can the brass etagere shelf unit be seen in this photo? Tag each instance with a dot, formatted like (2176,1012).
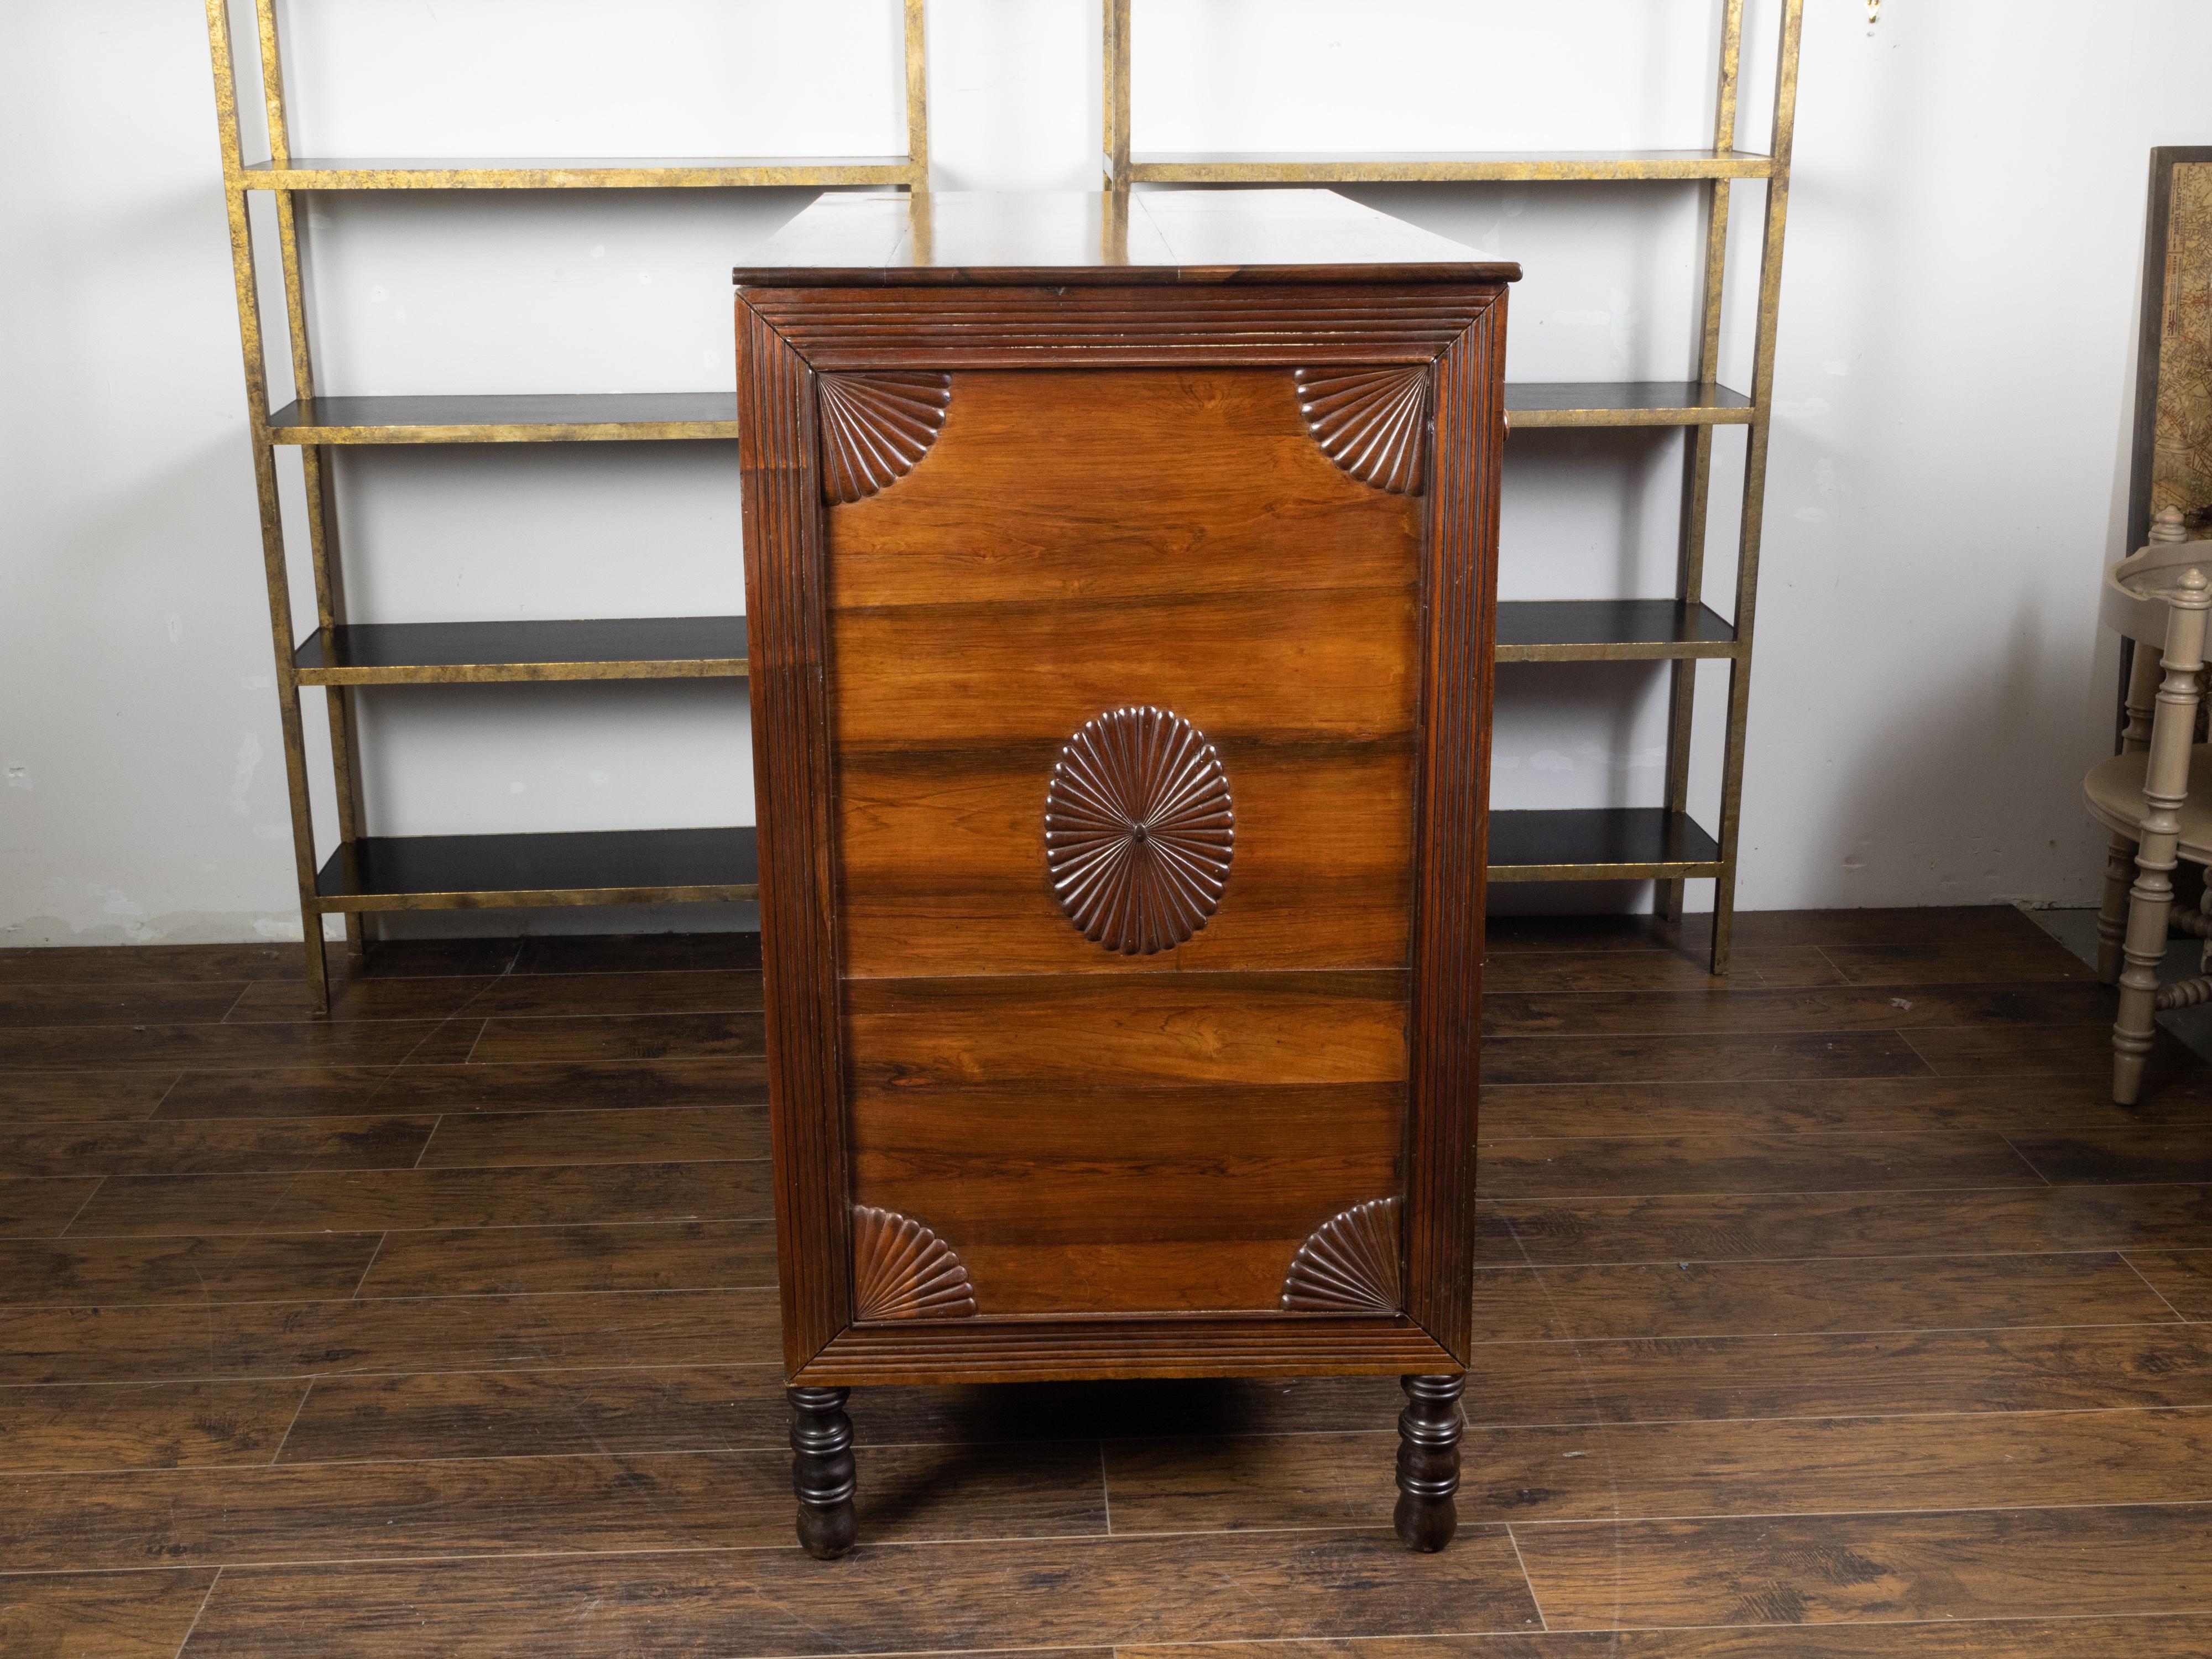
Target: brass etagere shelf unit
(1663,843)
(369,873)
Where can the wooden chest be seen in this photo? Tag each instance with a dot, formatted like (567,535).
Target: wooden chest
(1121,578)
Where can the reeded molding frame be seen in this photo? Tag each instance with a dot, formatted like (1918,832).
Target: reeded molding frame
(787,335)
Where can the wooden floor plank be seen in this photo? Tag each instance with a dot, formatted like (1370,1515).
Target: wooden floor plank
(754,1604)
(378,1201)
(1750,1162)
(686,1408)
(1618,971)
(155,1425)
(1735,1056)
(440,998)
(697,991)
(1732,1298)
(2180,1636)
(41,1208)
(1803,1225)
(2184,1278)
(86,1273)
(171,1046)
(578,1038)
(2168,1152)
(524,1505)
(1833,1375)
(415,1090)
(2082,1051)
(638,953)
(115,1615)
(1947,962)
(1807,1466)
(1730,1008)
(323,1339)
(2142,1559)
(1959,925)
(60,1002)
(34,1098)
(645,1135)
(179,1148)
(650,1256)
(1854,1106)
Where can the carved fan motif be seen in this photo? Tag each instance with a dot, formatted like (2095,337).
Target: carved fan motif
(1349,1265)
(876,426)
(902,1270)
(1370,421)
(1139,829)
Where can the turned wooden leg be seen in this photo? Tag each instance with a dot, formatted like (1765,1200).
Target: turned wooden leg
(822,1470)
(1428,1460)
(2112,918)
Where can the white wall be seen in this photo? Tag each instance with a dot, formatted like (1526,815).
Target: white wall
(1949,453)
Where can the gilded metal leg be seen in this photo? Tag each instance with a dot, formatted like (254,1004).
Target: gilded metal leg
(1428,1461)
(821,1471)
(2112,918)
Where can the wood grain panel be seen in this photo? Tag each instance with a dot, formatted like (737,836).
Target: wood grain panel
(1014,1593)
(1157,1030)
(153,1425)
(1336,665)
(942,851)
(489,1505)
(1194,483)
(1786,1570)
(679,1255)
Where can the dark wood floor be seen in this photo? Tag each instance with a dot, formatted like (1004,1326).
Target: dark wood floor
(1831,1311)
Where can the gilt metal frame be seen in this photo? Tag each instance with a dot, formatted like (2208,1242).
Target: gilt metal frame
(312,428)
(1679,847)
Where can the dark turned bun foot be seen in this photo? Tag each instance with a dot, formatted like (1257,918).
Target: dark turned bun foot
(822,1473)
(1428,1461)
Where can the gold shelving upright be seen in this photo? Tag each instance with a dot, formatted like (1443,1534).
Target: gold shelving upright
(368,873)
(1665,843)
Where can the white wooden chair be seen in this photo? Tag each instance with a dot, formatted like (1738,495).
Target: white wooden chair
(2143,794)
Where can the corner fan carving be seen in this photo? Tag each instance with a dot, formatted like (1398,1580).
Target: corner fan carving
(902,1270)
(1139,829)
(1349,1265)
(1370,421)
(876,426)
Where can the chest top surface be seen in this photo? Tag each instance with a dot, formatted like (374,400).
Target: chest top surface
(956,238)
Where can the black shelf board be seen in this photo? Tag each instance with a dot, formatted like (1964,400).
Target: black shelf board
(1610,630)
(1611,843)
(1531,404)
(600,867)
(431,654)
(523,417)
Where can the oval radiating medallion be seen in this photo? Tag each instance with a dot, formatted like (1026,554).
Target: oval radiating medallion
(1139,829)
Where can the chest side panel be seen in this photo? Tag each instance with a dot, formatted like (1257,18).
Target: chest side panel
(1093,1128)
